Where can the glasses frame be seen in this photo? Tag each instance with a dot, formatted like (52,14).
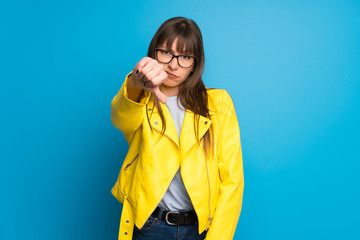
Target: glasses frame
(173,56)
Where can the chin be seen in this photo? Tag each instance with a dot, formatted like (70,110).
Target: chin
(170,83)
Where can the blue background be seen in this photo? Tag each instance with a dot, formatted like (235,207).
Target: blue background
(291,67)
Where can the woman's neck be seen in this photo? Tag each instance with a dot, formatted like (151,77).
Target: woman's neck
(169,91)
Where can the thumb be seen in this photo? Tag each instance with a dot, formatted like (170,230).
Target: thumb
(159,94)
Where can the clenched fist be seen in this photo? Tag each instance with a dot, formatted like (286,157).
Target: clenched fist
(149,74)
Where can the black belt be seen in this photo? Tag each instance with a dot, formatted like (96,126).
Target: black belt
(176,218)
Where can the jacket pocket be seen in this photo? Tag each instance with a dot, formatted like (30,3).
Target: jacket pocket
(128,176)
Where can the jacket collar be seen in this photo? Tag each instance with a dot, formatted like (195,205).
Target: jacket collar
(156,123)
(187,136)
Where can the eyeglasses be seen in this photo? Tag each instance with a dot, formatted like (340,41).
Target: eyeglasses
(164,56)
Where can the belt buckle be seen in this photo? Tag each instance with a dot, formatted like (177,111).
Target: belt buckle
(166,218)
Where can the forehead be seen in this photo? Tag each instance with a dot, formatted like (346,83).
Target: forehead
(177,45)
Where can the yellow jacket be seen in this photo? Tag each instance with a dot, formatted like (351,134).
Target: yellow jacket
(215,184)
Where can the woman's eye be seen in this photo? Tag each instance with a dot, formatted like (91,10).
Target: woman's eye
(185,57)
(165,52)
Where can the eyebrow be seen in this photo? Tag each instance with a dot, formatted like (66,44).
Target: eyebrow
(186,52)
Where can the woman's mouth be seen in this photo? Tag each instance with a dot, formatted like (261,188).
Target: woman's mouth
(170,75)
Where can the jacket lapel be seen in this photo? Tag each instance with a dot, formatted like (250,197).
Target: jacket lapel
(157,124)
(187,136)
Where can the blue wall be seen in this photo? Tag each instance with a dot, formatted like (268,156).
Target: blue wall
(292,68)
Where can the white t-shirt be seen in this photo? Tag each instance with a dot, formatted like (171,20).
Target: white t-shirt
(176,197)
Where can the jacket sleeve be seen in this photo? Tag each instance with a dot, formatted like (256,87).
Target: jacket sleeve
(126,114)
(231,175)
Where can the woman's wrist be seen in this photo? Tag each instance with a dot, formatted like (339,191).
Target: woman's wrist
(134,88)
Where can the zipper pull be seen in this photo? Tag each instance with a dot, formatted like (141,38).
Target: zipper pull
(126,167)
(129,164)
(208,223)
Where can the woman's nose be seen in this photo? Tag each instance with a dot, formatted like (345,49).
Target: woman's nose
(174,63)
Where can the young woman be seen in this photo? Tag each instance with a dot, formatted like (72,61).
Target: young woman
(182,177)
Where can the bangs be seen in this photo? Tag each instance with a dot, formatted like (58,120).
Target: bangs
(186,40)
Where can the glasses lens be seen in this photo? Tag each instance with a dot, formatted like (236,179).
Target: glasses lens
(186,61)
(164,56)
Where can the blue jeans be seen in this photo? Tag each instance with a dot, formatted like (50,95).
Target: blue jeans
(157,229)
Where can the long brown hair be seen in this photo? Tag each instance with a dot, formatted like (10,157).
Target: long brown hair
(192,92)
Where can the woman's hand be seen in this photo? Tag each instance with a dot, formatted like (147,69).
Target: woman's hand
(148,74)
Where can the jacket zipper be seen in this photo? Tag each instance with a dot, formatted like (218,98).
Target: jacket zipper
(129,164)
(210,218)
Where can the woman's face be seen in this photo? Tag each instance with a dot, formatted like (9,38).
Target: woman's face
(176,73)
